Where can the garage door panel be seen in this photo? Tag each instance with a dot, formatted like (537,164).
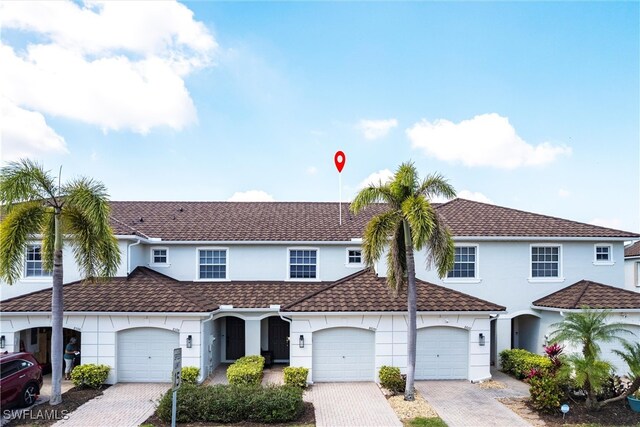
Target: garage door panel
(343,354)
(442,353)
(146,354)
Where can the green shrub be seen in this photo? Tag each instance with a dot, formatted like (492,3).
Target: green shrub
(233,404)
(90,375)
(276,404)
(246,371)
(190,374)
(520,362)
(296,377)
(545,392)
(392,379)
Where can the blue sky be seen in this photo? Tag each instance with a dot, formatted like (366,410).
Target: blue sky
(528,105)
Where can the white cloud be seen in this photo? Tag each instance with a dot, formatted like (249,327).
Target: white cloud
(312,170)
(26,133)
(376,178)
(563,193)
(474,195)
(485,140)
(116,65)
(615,223)
(251,196)
(375,129)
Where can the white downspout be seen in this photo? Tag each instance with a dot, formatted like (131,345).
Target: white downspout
(129,255)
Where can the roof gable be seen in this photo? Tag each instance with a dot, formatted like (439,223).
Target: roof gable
(592,295)
(365,291)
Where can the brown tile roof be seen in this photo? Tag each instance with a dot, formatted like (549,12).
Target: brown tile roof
(143,291)
(591,294)
(365,291)
(632,250)
(469,218)
(148,291)
(313,221)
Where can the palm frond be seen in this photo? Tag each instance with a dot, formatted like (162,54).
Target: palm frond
(419,214)
(397,261)
(440,246)
(48,238)
(16,228)
(405,181)
(631,355)
(370,195)
(22,181)
(84,240)
(376,235)
(90,197)
(436,185)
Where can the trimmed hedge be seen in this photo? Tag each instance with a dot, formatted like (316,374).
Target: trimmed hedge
(246,371)
(520,363)
(392,379)
(233,404)
(296,377)
(190,374)
(90,375)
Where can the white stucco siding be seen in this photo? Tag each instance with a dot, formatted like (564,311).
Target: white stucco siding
(504,269)
(253,262)
(391,337)
(632,274)
(99,334)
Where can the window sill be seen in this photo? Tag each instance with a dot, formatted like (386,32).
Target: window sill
(302,280)
(545,279)
(462,280)
(160,265)
(354,265)
(212,280)
(603,262)
(37,279)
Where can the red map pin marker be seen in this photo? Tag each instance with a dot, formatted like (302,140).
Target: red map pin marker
(339,159)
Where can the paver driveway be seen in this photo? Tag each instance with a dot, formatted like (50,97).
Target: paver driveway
(462,404)
(121,405)
(351,404)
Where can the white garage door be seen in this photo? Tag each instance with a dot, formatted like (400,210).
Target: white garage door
(442,353)
(146,354)
(607,350)
(343,354)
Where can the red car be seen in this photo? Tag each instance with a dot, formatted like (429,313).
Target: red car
(20,379)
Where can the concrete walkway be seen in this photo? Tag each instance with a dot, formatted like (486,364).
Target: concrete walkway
(462,404)
(121,405)
(351,404)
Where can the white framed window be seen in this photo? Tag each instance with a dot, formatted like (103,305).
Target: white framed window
(546,263)
(637,274)
(465,265)
(602,254)
(212,264)
(354,258)
(302,264)
(34,265)
(159,257)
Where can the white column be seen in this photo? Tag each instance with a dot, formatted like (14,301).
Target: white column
(251,337)
(503,337)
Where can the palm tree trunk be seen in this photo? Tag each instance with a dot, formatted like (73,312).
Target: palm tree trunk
(56,317)
(409,393)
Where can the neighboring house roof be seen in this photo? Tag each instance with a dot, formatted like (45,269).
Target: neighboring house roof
(146,290)
(632,251)
(365,291)
(591,294)
(313,221)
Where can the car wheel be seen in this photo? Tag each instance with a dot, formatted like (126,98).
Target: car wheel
(29,394)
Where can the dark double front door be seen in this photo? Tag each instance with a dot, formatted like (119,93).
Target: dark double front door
(235,338)
(279,338)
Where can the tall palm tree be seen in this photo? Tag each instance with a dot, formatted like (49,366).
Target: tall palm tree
(35,206)
(587,328)
(410,223)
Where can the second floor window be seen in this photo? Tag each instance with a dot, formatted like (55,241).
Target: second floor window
(464,266)
(159,256)
(212,264)
(545,261)
(354,256)
(303,263)
(34,265)
(603,254)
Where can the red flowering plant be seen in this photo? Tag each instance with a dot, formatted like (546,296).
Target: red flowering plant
(553,352)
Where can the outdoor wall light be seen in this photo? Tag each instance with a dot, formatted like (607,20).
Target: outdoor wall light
(189,341)
(301,341)
(2,341)
(481,337)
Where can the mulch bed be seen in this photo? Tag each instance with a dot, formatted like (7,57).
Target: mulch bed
(613,414)
(46,415)
(308,418)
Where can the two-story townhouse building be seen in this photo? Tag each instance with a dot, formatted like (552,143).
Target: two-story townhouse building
(223,280)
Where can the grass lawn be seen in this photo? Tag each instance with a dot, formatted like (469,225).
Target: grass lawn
(425,422)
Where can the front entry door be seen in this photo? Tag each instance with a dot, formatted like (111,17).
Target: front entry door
(279,338)
(235,338)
